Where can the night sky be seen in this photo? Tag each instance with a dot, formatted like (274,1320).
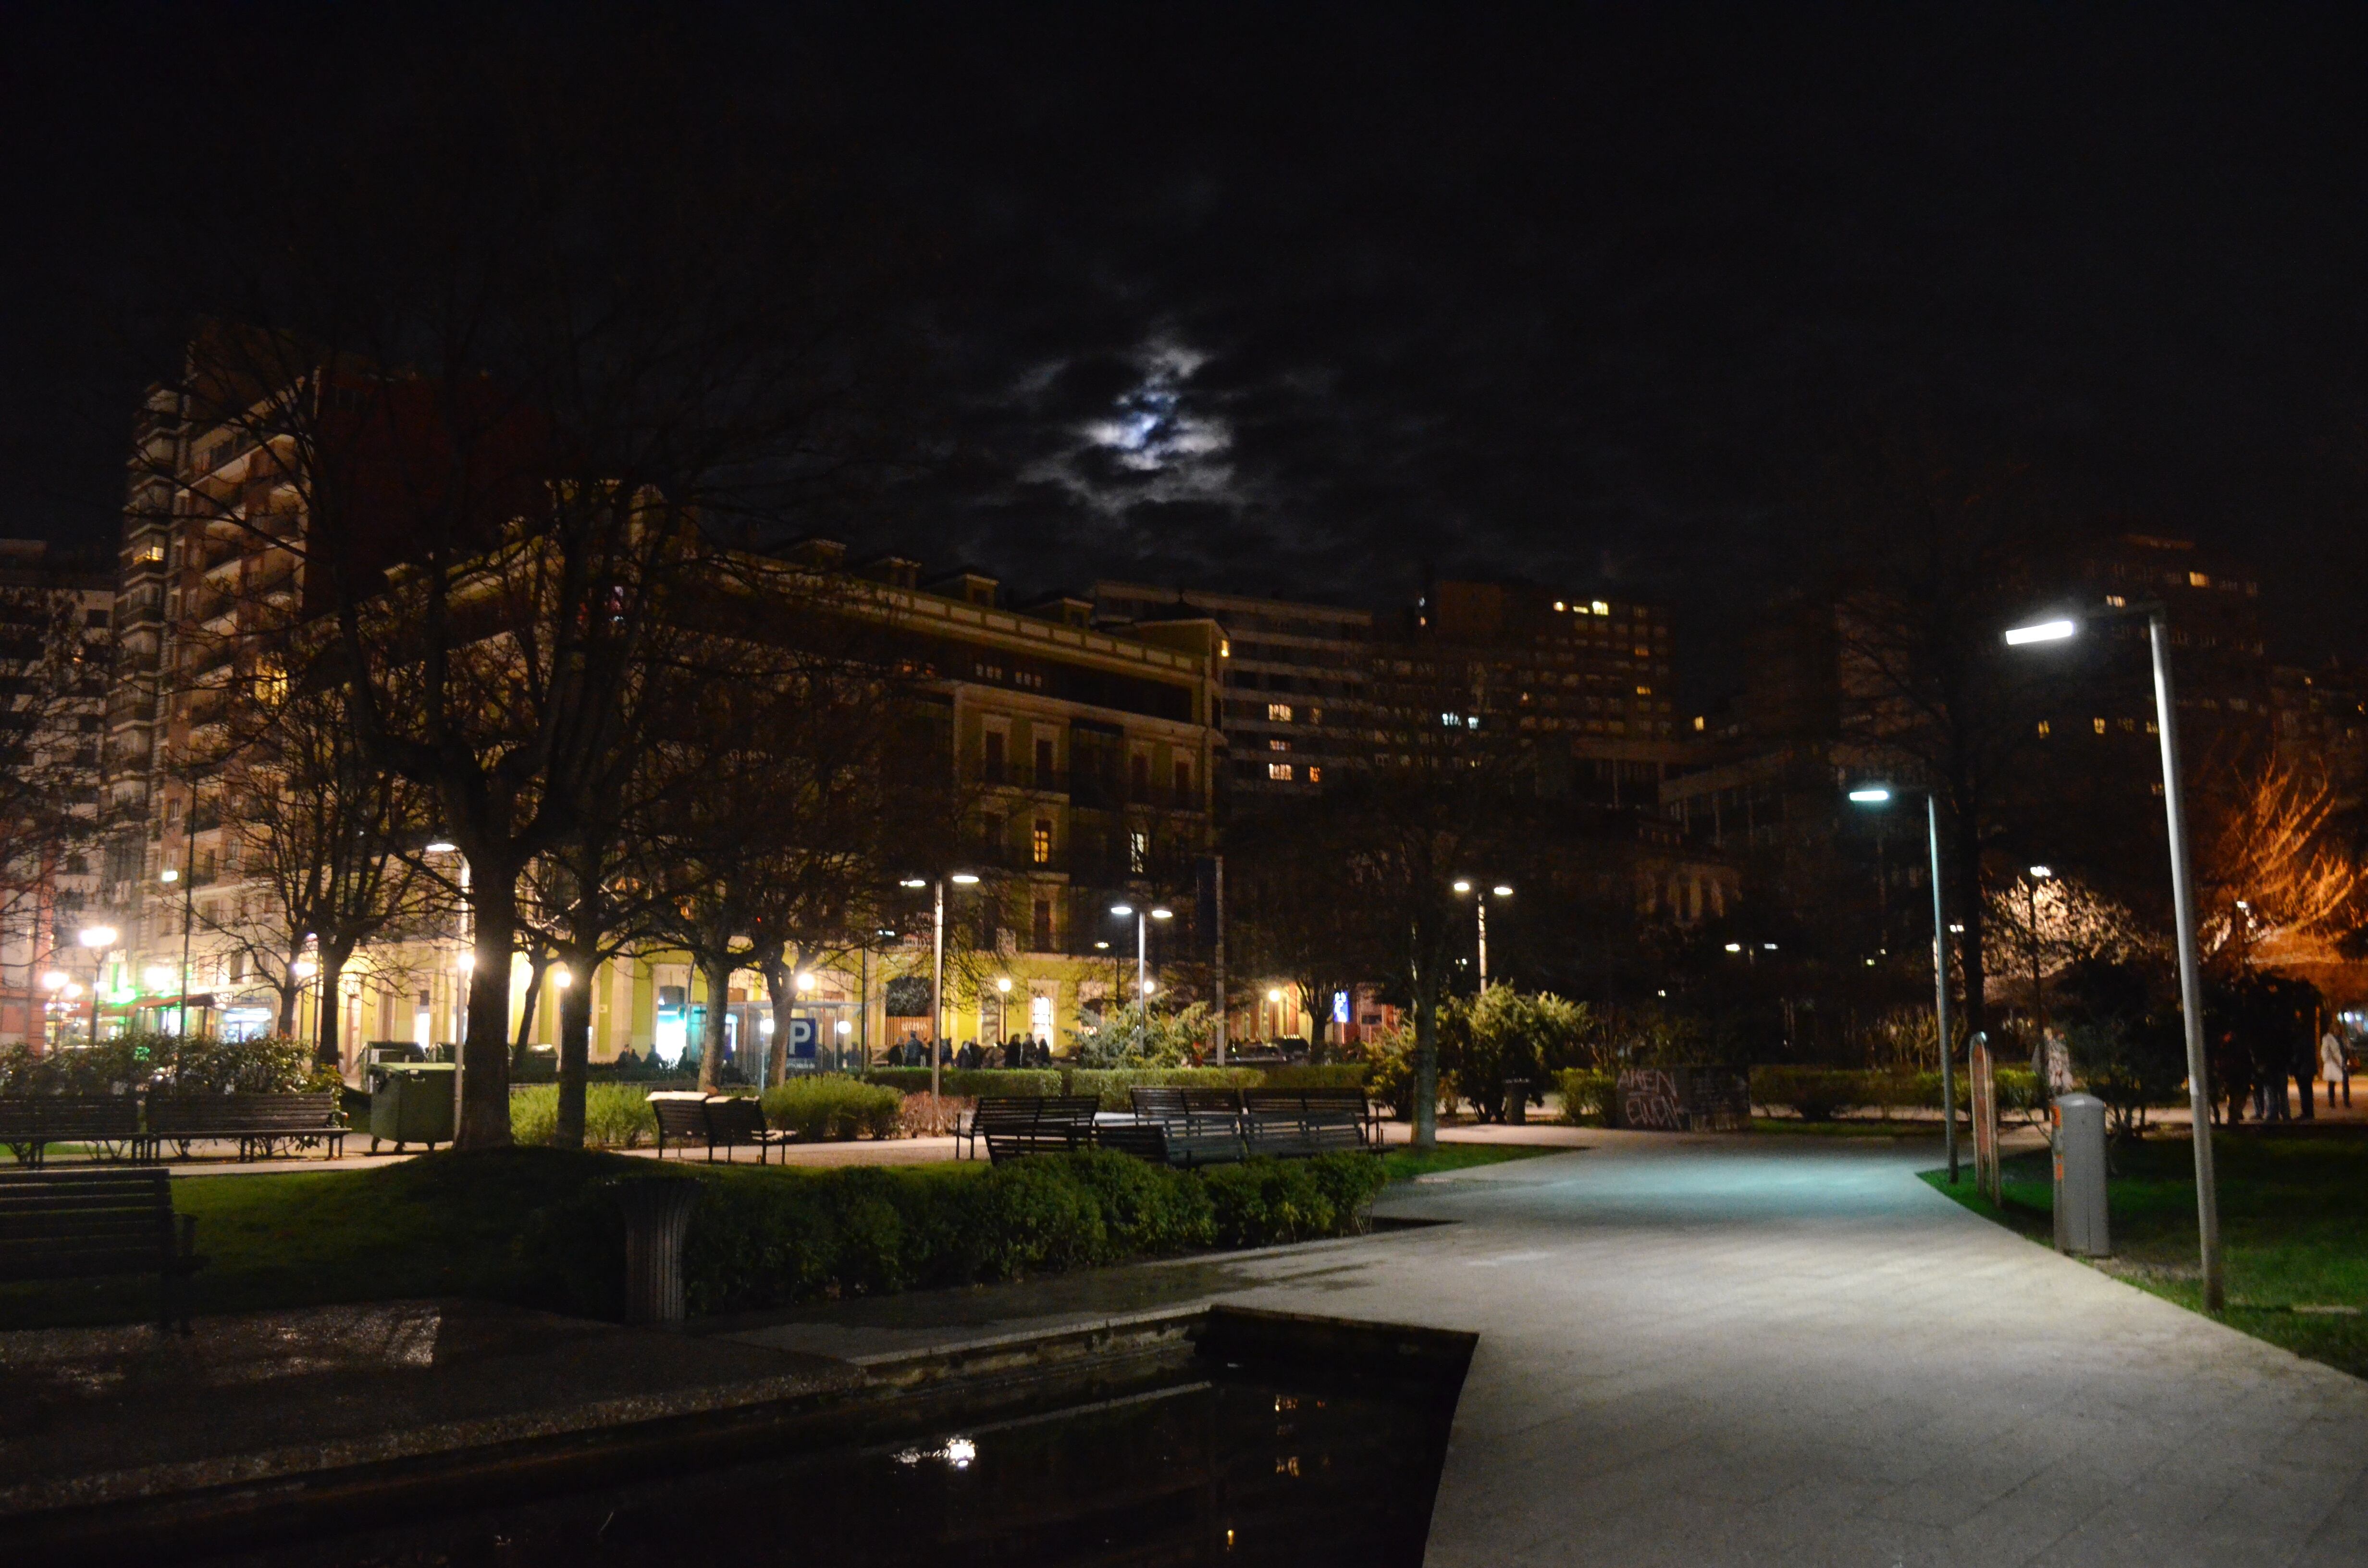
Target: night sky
(1300,298)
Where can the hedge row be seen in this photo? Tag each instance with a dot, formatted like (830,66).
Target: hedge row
(822,1109)
(771,1239)
(1111,1085)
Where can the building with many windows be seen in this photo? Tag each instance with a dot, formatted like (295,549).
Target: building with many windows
(1294,707)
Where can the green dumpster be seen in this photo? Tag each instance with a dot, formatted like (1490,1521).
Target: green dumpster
(412,1104)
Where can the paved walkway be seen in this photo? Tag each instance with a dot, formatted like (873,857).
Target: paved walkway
(1781,1350)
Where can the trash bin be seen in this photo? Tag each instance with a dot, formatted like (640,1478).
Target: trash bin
(2078,1135)
(412,1104)
(1516,1101)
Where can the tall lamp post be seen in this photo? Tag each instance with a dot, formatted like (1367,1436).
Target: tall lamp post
(1142,943)
(1480,903)
(1880,795)
(937,985)
(2182,898)
(2030,918)
(168,876)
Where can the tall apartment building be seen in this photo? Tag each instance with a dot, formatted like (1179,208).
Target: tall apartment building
(1584,682)
(49,892)
(1295,707)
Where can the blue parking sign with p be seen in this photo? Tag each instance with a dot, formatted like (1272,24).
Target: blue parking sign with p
(801,1039)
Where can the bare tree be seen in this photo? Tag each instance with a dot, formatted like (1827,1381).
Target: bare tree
(2279,882)
(52,674)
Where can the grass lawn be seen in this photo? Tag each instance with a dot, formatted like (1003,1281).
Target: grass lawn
(1404,1164)
(433,1226)
(2294,1228)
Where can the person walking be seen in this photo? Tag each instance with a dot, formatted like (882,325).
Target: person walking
(2333,1069)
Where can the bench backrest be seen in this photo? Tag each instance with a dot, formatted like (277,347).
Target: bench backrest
(1029,1113)
(59,1117)
(93,1221)
(1321,1105)
(196,1114)
(735,1118)
(682,1118)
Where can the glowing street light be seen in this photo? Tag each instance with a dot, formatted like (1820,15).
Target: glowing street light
(1880,795)
(938,979)
(2043,632)
(1142,940)
(2182,899)
(1480,905)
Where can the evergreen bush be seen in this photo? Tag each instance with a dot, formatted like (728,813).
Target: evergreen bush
(831,1108)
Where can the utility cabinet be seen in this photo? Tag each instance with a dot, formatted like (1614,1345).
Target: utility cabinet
(2078,1135)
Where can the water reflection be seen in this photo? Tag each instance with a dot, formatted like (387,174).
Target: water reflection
(1215,1464)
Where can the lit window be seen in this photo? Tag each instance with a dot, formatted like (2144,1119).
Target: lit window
(1277,746)
(1602,608)
(1698,723)
(1138,851)
(2100,724)
(1039,842)
(1224,648)
(1648,691)
(2199,580)
(1279,770)
(2117,601)
(1558,604)
(2042,727)
(1315,774)
(1450,720)
(1280,712)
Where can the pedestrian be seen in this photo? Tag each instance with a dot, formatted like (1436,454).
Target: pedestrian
(2334,1069)
(1014,1051)
(2302,1062)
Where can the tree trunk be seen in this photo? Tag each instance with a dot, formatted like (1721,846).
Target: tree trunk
(486,1050)
(1968,869)
(290,988)
(574,1052)
(328,1024)
(717,969)
(781,992)
(534,977)
(1426,1060)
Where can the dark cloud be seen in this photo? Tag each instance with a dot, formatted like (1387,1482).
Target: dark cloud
(1586,293)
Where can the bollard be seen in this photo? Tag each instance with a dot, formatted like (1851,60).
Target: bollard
(2079,1139)
(657,1215)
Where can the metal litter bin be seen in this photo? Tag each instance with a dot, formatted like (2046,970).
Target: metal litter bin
(1516,1101)
(412,1104)
(2078,1135)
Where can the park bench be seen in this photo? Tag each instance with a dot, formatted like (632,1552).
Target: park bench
(259,1122)
(28,1122)
(1185,1128)
(1014,1125)
(94,1222)
(718,1122)
(1294,1123)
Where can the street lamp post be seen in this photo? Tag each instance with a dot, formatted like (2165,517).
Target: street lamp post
(2030,918)
(1480,904)
(1142,943)
(1879,795)
(2182,898)
(188,918)
(938,986)
(1002,997)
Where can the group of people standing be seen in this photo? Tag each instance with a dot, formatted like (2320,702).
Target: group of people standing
(1020,1051)
(2257,1078)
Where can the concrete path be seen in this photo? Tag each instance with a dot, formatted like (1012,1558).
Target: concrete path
(1707,1351)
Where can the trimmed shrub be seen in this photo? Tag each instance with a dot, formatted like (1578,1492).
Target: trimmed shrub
(1587,1096)
(616,1115)
(958,1084)
(833,1107)
(197,1064)
(762,1239)
(1264,1202)
(1815,1093)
